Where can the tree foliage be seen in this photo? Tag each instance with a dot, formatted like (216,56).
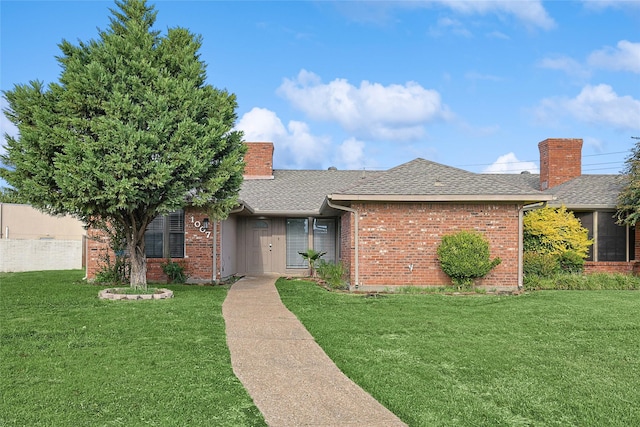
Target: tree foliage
(130,131)
(464,256)
(555,231)
(9,195)
(628,209)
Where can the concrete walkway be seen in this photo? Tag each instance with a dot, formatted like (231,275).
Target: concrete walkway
(291,380)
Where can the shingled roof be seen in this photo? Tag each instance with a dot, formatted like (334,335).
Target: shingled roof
(303,192)
(588,191)
(583,192)
(297,192)
(424,180)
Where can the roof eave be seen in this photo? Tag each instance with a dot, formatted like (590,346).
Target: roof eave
(586,207)
(442,197)
(267,212)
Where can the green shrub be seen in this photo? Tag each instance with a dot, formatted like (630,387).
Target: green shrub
(593,282)
(113,273)
(312,257)
(464,257)
(571,262)
(335,274)
(540,265)
(175,272)
(555,231)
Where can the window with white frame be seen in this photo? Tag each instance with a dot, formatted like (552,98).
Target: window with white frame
(297,239)
(324,238)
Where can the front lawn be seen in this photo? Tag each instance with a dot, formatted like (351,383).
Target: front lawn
(70,359)
(546,358)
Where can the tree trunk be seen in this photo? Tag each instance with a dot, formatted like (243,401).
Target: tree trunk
(138,274)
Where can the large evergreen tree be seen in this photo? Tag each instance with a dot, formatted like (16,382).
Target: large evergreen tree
(131,131)
(628,212)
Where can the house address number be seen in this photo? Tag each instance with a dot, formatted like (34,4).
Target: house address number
(198,225)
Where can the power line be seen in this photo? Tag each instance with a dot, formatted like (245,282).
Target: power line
(605,154)
(601,169)
(536,161)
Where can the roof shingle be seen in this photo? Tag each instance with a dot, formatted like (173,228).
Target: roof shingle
(304,191)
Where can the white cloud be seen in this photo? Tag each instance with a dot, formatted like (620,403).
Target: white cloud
(616,4)
(260,125)
(530,12)
(509,163)
(624,57)
(564,63)
(597,105)
(498,35)
(595,144)
(448,25)
(475,76)
(295,146)
(371,110)
(351,154)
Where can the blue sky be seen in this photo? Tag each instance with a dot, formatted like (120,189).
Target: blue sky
(471,84)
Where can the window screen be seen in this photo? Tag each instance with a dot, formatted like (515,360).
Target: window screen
(297,241)
(612,238)
(586,218)
(324,238)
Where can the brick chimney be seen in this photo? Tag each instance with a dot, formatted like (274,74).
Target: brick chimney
(560,161)
(259,160)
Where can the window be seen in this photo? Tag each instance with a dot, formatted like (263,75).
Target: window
(612,241)
(297,241)
(324,238)
(164,237)
(586,218)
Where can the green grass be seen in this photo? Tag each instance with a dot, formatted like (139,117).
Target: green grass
(552,358)
(70,359)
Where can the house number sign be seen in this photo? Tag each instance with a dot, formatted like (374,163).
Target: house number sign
(200,227)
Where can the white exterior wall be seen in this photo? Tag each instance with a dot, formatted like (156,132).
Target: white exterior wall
(24,222)
(36,255)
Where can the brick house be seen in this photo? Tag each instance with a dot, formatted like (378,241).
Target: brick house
(385,226)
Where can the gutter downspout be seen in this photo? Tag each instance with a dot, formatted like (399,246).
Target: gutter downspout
(355,214)
(521,212)
(214,266)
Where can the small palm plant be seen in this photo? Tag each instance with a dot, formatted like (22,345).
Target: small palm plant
(312,256)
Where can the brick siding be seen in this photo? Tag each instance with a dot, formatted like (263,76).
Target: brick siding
(347,247)
(560,161)
(622,267)
(259,160)
(394,236)
(198,261)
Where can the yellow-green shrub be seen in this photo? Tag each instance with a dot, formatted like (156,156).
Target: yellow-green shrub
(555,231)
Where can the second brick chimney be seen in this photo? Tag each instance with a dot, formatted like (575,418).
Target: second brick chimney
(560,161)
(259,160)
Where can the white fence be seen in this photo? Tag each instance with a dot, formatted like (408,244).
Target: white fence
(35,255)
